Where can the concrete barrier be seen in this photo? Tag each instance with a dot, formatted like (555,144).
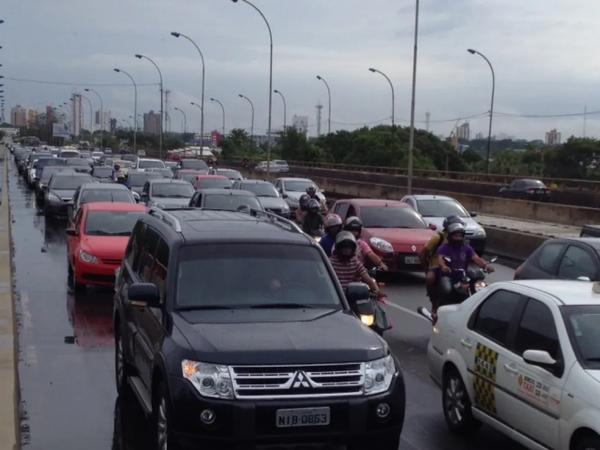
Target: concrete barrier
(511,244)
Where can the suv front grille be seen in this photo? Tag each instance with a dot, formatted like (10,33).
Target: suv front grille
(325,380)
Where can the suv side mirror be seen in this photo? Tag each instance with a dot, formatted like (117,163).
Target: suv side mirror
(144,294)
(540,358)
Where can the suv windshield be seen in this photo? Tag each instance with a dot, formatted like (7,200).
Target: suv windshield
(260,189)
(106,195)
(441,208)
(258,275)
(231,202)
(298,185)
(383,217)
(77,162)
(69,182)
(111,223)
(213,183)
(149,163)
(172,190)
(194,164)
(583,323)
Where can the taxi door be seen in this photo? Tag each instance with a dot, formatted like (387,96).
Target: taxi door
(536,392)
(484,348)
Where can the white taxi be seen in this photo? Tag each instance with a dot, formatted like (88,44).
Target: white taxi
(524,358)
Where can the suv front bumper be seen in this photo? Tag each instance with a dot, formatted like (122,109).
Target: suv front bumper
(247,422)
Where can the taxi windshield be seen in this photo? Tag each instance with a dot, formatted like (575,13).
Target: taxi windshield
(583,323)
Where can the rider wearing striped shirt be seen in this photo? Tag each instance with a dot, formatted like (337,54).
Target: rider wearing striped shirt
(347,266)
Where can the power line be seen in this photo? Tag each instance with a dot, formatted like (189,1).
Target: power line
(66,83)
(548,116)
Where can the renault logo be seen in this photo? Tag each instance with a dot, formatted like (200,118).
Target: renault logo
(301,380)
(414,248)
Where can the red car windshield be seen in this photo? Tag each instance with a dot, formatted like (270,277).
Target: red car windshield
(385,217)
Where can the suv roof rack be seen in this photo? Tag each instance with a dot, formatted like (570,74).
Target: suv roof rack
(166,217)
(277,220)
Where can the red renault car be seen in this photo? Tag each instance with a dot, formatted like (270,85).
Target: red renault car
(96,243)
(393,230)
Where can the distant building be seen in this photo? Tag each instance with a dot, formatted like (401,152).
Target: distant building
(50,115)
(553,137)
(77,114)
(463,132)
(300,123)
(18,116)
(152,122)
(32,116)
(113,125)
(102,121)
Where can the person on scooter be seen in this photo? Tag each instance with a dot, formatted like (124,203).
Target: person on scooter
(313,221)
(365,253)
(459,254)
(311,191)
(333,225)
(347,266)
(302,208)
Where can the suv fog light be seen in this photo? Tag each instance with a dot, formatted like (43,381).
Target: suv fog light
(383,410)
(208,417)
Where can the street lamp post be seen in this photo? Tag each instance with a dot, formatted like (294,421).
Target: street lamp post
(284,109)
(393,93)
(489,143)
(203,83)
(411,138)
(91,114)
(135,102)
(214,100)
(270,81)
(101,115)
(319,77)
(160,144)
(252,123)
(184,119)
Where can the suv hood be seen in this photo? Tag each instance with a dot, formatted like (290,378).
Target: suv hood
(279,336)
(64,194)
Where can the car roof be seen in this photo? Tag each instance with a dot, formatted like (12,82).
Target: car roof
(113,206)
(217,177)
(377,202)
(431,197)
(150,159)
(255,182)
(565,292)
(167,181)
(295,179)
(592,242)
(104,186)
(233,192)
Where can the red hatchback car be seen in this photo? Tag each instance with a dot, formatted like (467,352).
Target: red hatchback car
(211,182)
(393,230)
(96,243)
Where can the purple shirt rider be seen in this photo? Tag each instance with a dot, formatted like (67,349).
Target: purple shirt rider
(460,256)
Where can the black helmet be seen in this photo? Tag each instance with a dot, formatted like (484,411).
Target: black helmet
(450,220)
(345,238)
(313,205)
(311,190)
(457,227)
(353,223)
(303,202)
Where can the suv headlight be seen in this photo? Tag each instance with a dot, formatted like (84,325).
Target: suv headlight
(382,245)
(378,375)
(86,257)
(210,380)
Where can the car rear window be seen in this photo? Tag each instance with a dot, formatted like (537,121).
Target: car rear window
(441,208)
(194,164)
(213,183)
(150,163)
(257,275)
(172,190)
(69,181)
(106,195)
(391,217)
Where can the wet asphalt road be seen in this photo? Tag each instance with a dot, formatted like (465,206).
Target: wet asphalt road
(66,353)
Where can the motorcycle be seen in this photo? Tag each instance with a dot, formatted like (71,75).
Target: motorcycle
(460,284)
(368,306)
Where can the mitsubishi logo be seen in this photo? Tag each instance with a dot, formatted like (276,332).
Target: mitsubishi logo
(301,380)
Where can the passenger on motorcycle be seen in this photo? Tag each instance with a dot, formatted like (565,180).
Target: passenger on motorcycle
(459,254)
(347,266)
(365,254)
(311,191)
(302,209)
(333,225)
(313,221)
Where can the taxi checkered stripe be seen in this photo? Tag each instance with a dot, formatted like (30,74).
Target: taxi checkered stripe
(484,395)
(486,361)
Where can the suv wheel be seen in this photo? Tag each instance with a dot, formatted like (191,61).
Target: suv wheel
(161,419)
(588,443)
(457,405)
(121,370)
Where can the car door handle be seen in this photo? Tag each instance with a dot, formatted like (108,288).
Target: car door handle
(466,343)
(511,368)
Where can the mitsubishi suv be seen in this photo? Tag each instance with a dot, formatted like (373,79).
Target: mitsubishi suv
(232,331)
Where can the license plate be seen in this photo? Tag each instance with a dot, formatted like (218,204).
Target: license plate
(305,417)
(412,260)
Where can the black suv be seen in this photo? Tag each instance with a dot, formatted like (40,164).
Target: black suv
(232,330)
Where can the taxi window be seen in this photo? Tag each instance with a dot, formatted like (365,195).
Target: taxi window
(494,316)
(537,330)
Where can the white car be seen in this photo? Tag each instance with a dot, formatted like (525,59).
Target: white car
(524,358)
(148,163)
(435,209)
(277,166)
(291,189)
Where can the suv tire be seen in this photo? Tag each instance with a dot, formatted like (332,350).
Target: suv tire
(456,404)
(122,370)
(161,419)
(591,442)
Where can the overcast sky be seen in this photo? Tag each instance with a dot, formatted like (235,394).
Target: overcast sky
(544,53)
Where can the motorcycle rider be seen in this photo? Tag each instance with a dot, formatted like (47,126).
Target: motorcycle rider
(365,253)
(311,191)
(313,220)
(460,255)
(302,208)
(346,264)
(333,225)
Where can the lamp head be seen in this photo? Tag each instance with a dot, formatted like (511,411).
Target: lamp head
(276,91)
(116,70)
(241,96)
(371,69)
(138,56)
(319,77)
(175,33)
(87,90)
(471,51)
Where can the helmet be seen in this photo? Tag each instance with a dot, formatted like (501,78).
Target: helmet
(450,220)
(345,238)
(303,202)
(313,205)
(332,220)
(457,227)
(353,223)
(311,190)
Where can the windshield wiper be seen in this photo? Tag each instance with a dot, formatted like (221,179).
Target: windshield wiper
(281,306)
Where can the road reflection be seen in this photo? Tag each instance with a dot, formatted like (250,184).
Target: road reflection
(90,315)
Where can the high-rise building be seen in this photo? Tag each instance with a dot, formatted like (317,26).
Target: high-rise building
(77,113)
(102,122)
(479,136)
(32,116)
(152,122)
(18,116)
(463,132)
(113,125)
(300,123)
(553,137)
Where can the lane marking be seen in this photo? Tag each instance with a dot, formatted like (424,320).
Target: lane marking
(406,310)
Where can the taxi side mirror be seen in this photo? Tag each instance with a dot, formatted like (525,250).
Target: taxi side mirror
(542,358)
